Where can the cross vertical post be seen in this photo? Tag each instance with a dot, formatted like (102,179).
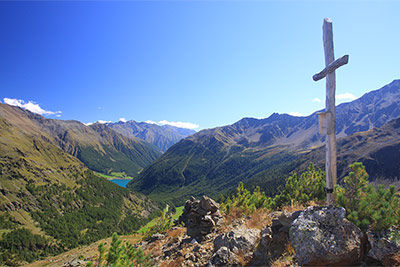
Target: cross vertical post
(329,116)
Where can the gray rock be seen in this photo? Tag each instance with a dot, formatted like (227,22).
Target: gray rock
(223,257)
(75,263)
(322,236)
(383,245)
(156,236)
(272,245)
(200,217)
(208,204)
(284,221)
(239,239)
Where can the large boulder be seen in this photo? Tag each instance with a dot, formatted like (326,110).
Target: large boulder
(323,236)
(385,246)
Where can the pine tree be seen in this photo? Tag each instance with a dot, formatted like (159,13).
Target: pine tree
(367,207)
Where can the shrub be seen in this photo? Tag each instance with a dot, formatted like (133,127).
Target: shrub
(245,201)
(367,207)
(302,189)
(120,254)
(163,223)
(309,186)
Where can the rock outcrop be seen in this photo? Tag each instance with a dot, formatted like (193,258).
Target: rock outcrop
(223,257)
(385,247)
(274,238)
(322,236)
(200,217)
(239,241)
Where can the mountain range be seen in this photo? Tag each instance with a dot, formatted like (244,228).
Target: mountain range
(162,136)
(262,151)
(97,146)
(47,186)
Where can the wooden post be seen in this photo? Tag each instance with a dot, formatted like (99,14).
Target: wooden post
(329,116)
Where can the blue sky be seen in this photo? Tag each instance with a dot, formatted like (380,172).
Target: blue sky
(207,63)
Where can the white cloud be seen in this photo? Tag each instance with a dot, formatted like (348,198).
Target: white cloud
(122,119)
(187,125)
(102,122)
(316,100)
(296,114)
(99,121)
(346,96)
(31,106)
(180,124)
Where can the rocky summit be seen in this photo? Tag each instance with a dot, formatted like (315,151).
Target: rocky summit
(294,236)
(312,236)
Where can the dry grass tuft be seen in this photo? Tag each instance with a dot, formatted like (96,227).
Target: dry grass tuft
(295,206)
(316,203)
(287,258)
(234,214)
(241,257)
(176,232)
(289,249)
(173,263)
(155,249)
(259,219)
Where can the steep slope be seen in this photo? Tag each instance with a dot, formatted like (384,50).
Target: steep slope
(161,136)
(254,150)
(378,149)
(98,146)
(54,195)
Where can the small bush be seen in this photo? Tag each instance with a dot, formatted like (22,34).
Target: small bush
(163,223)
(367,207)
(120,255)
(309,186)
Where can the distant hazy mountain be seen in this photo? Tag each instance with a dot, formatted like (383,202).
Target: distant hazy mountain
(51,193)
(98,146)
(256,150)
(161,136)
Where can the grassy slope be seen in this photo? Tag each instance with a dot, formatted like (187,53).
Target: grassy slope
(91,251)
(217,168)
(51,193)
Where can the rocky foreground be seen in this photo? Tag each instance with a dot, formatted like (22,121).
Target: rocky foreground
(296,236)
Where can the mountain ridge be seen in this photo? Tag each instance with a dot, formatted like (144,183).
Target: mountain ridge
(162,136)
(250,145)
(98,146)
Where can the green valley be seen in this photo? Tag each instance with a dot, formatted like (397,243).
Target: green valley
(50,201)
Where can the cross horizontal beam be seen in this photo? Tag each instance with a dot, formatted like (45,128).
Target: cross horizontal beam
(331,67)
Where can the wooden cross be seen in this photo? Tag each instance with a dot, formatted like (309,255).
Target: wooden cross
(328,117)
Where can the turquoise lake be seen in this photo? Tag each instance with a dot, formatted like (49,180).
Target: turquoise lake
(121,182)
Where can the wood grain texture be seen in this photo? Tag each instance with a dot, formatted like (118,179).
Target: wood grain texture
(330,164)
(331,67)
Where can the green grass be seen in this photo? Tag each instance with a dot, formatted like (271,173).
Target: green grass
(144,229)
(114,175)
(179,211)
